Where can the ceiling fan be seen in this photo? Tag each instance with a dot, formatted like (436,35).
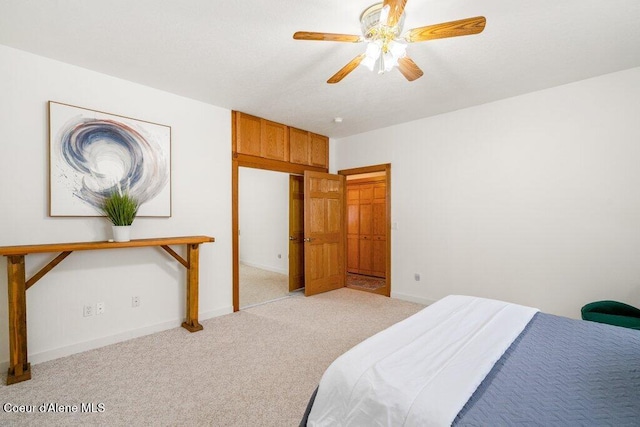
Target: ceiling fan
(381,26)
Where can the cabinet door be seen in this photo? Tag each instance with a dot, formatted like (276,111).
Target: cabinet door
(353,210)
(248,134)
(353,228)
(379,210)
(274,141)
(379,257)
(365,249)
(366,193)
(379,230)
(380,191)
(365,225)
(319,151)
(365,262)
(298,146)
(379,219)
(353,248)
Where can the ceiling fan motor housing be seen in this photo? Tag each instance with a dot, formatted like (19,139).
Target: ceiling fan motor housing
(372,28)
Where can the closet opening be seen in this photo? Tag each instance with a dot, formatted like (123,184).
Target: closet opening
(263,233)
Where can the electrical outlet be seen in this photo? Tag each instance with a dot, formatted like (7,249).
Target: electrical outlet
(416,276)
(135,301)
(88,310)
(99,308)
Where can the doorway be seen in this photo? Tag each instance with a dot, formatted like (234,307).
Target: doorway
(263,216)
(327,266)
(368,217)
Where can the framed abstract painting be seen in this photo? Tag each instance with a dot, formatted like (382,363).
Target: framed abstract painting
(94,154)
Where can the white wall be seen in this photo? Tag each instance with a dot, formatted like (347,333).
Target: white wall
(533,199)
(201,194)
(263,214)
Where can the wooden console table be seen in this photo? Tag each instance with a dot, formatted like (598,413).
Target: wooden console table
(19,367)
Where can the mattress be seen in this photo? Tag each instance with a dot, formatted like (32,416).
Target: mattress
(557,371)
(422,370)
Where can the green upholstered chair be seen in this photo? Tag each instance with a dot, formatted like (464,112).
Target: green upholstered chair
(612,313)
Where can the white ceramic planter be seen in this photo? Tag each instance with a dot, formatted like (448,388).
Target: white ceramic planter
(121,233)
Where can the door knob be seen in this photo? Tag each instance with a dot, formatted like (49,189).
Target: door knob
(292,238)
(307,239)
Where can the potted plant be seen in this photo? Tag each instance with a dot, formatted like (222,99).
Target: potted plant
(121,209)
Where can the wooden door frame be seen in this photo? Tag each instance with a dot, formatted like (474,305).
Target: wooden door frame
(243,160)
(386,168)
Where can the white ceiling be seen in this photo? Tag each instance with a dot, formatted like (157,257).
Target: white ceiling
(239,54)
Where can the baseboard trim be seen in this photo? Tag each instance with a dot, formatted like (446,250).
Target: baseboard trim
(412,298)
(264,267)
(216,313)
(57,353)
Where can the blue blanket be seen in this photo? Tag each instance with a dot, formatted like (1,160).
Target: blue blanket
(561,372)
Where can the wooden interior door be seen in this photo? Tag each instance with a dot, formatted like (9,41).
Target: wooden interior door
(324,226)
(296,232)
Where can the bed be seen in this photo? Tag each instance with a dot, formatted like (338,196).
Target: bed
(470,361)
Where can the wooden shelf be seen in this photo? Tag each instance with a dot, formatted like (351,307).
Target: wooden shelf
(19,367)
(87,246)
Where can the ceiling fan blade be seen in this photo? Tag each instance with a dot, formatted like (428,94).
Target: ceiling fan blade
(409,69)
(463,27)
(329,37)
(346,69)
(396,8)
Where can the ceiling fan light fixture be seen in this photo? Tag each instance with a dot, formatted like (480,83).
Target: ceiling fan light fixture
(389,62)
(397,49)
(374,48)
(383,49)
(383,56)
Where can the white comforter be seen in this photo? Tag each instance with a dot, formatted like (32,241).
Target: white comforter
(421,371)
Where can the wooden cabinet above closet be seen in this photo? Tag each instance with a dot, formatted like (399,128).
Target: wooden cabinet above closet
(299,146)
(262,138)
(307,148)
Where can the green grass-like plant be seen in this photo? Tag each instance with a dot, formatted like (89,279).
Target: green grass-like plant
(121,209)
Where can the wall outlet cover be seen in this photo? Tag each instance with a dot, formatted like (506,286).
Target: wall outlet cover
(87,311)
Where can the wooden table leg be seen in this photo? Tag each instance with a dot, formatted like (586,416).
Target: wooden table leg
(19,367)
(191,324)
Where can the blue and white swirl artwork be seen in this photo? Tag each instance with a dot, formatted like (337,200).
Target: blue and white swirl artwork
(94,154)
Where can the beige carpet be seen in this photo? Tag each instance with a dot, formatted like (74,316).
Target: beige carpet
(257,367)
(258,286)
